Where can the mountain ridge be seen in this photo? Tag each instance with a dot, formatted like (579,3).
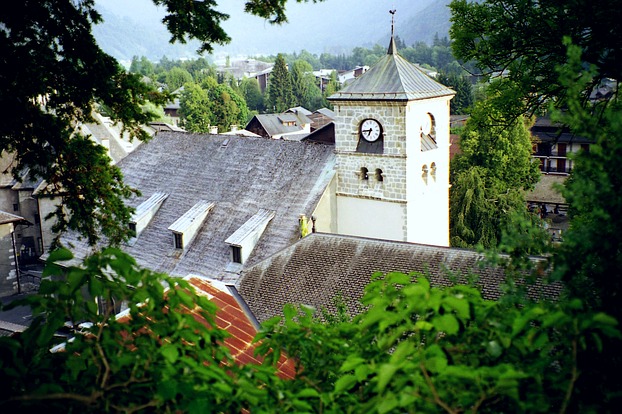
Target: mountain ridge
(135,28)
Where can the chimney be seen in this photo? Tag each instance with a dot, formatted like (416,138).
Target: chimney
(234,128)
(213,129)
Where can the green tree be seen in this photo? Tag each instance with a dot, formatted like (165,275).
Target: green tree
(332,86)
(489,177)
(464,92)
(176,78)
(211,104)
(252,94)
(194,108)
(524,40)
(227,107)
(304,85)
(590,258)
(280,95)
(142,66)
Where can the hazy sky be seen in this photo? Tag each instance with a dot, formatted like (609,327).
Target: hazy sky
(338,23)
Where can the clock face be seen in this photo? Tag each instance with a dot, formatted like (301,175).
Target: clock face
(371,130)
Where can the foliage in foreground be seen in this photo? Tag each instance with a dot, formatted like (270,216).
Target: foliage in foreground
(159,359)
(415,348)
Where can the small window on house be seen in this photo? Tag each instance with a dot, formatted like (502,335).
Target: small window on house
(236,252)
(15,206)
(179,243)
(433,170)
(424,173)
(132,229)
(37,219)
(364,174)
(379,176)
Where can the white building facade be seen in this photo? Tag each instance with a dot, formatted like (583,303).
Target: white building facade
(392,155)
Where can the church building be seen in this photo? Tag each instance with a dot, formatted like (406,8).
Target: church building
(216,205)
(392,155)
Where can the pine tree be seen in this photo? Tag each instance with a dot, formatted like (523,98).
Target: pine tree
(280,91)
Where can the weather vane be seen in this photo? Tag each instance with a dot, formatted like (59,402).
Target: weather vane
(392,20)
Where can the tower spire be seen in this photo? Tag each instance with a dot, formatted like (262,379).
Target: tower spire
(392,20)
(392,48)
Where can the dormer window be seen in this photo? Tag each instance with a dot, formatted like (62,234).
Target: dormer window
(186,227)
(244,239)
(179,240)
(145,212)
(236,254)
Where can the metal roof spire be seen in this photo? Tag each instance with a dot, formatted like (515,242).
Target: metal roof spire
(392,47)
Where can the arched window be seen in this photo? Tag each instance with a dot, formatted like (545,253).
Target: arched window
(364,173)
(433,170)
(379,176)
(424,173)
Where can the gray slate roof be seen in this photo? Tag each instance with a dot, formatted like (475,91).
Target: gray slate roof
(240,175)
(392,78)
(6,218)
(273,124)
(320,267)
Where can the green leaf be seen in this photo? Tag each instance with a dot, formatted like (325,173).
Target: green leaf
(494,349)
(385,374)
(362,372)
(446,323)
(170,353)
(402,351)
(59,255)
(423,325)
(398,278)
(553,319)
(345,383)
(387,404)
(603,318)
(167,389)
(460,305)
(308,393)
(351,363)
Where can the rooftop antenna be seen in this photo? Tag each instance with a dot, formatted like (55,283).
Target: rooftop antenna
(392,20)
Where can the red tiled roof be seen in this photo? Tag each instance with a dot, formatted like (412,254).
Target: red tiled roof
(232,317)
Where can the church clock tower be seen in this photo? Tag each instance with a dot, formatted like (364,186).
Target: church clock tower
(392,153)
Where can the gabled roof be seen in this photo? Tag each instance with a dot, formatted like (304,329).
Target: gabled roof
(392,78)
(321,267)
(6,218)
(277,124)
(240,175)
(300,110)
(326,112)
